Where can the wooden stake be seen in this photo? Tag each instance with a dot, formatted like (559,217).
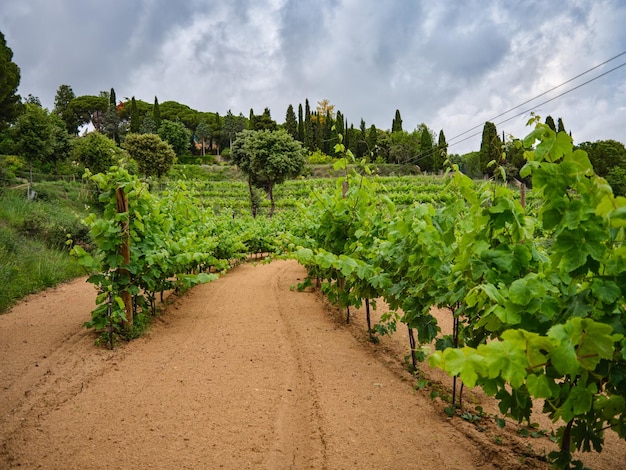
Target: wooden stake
(122,208)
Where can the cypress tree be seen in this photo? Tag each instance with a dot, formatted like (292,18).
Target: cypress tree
(490,148)
(300,124)
(560,126)
(372,138)
(426,158)
(134,116)
(550,123)
(291,124)
(396,125)
(251,120)
(156,114)
(442,148)
(309,137)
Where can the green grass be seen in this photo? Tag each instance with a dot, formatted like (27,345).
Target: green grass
(33,235)
(27,265)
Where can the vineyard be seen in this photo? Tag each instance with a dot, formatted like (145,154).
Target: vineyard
(533,290)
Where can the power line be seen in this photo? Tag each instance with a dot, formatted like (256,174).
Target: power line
(450,144)
(543,94)
(542,103)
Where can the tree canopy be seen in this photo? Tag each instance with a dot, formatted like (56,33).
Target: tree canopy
(97,152)
(154,157)
(267,158)
(10,101)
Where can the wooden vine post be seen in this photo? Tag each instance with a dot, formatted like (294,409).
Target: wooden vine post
(122,208)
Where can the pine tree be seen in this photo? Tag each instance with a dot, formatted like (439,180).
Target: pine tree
(396,125)
(291,124)
(203,132)
(550,123)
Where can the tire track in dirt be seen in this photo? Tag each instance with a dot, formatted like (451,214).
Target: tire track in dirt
(299,434)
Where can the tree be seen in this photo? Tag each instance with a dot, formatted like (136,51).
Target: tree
(403,147)
(156,113)
(427,159)
(111,121)
(361,146)
(267,158)
(291,124)
(148,126)
(33,135)
(203,132)
(89,109)
(490,148)
(300,124)
(442,151)
(605,155)
(97,152)
(176,134)
(10,101)
(264,121)
(309,141)
(153,156)
(550,123)
(396,125)
(560,127)
(372,138)
(233,125)
(62,100)
(324,108)
(135,120)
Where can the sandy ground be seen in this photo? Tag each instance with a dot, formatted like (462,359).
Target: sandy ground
(240,373)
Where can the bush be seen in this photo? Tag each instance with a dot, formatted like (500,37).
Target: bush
(319,158)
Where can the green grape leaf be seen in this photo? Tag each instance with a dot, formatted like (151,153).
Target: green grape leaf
(540,386)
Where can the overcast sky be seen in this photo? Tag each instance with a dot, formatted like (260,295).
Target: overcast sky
(450,64)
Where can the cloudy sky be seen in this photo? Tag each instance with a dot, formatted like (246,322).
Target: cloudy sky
(450,64)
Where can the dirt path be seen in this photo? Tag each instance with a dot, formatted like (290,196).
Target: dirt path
(239,373)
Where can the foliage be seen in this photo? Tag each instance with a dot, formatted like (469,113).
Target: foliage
(62,101)
(32,239)
(318,158)
(154,156)
(174,244)
(535,296)
(396,124)
(97,152)
(490,148)
(39,136)
(176,134)
(203,132)
(291,123)
(268,158)
(89,109)
(10,101)
(605,155)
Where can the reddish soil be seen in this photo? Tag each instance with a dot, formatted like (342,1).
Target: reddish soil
(240,373)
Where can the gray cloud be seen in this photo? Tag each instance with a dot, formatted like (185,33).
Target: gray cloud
(452,65)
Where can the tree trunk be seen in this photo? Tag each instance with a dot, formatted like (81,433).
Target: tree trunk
(270,193)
